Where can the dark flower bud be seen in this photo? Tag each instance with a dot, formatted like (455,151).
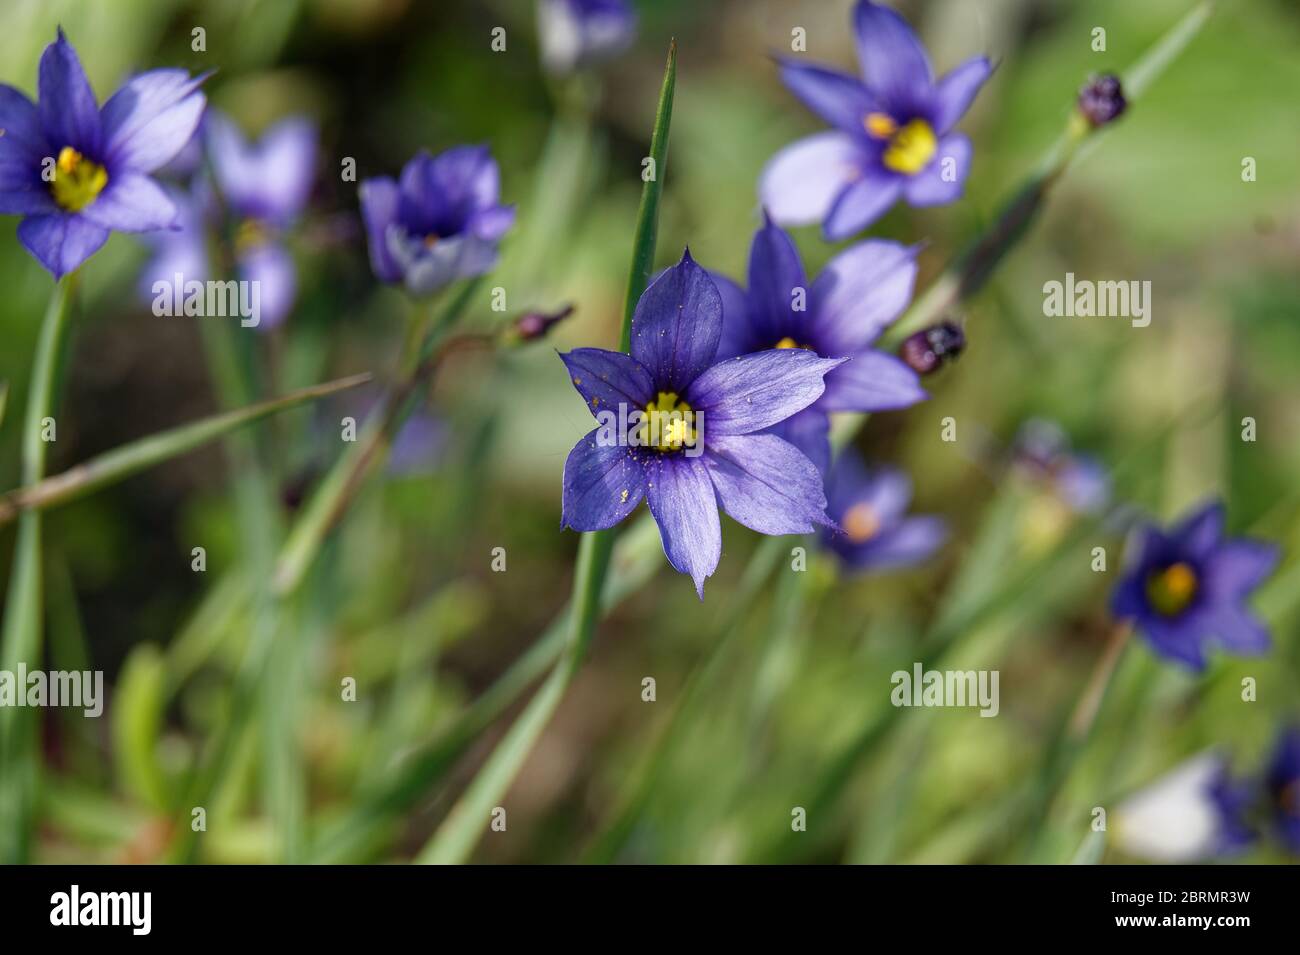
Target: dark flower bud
(1102,99)
(534,325)
(931,347)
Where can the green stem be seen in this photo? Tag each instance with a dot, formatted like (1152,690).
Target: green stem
(21,639)
(460,831)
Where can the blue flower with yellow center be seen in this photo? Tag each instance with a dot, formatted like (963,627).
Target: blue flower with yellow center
(76,171)
(839,314)
(893,135)
(682,429)
(1187,588)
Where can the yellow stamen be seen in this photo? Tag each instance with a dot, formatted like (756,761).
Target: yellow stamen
(787,342)
(669,424)
(911,148)
(249,235)
(879,125)
(861,523)
(77,181)
(1172,589)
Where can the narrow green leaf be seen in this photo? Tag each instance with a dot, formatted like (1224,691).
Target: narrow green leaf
(21,639)
(123,462)
(137,718)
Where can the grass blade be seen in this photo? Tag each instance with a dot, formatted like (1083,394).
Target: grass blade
(21,639)
(121,463)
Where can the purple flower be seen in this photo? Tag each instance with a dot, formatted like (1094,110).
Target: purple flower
(1282,783)
(870,508)
(1188,587)
(1042,451)
(441,221)
(839,315)
(578,33)
(679,428)
(893,132)
(74,171)
(262,189)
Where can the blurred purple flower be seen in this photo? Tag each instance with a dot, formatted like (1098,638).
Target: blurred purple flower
(1282,783)
(839,315)
(680,429)
(439,222)
(870,508)
(1042,450)
(261,189)
(578,33)
(1188,587)
(75,171)
(893,132)
(418,446)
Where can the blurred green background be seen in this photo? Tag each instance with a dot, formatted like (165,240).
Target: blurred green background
(788,687)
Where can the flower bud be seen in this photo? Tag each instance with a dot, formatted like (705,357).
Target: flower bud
(531,326)
(929,348)
(1102,99)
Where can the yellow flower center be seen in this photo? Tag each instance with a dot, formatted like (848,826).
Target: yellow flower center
(879,125)
(789,342)
(861,523)
(249,235)
(1172,589)
(668,425)
(77,180)
(910,148)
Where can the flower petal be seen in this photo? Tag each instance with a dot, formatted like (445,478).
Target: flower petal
(271,267)
(23,142)
(738,336)
(776,284)
(685,507)
(61,242)
(894,63)
(799,185)
(1199,534)
(944,179)
(872,381)
(677,325)
(132,202)
(809,431)
(603,483)
(151,118)
(270,180)
(440,193)
(752,392)
(861,203)
(379,201)
(836,97)
(956,90)
(69,113)
(1174,640)
(609,379)
(766,483)
(1240,632)
(1238,566)
(909,542)
(860,292)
